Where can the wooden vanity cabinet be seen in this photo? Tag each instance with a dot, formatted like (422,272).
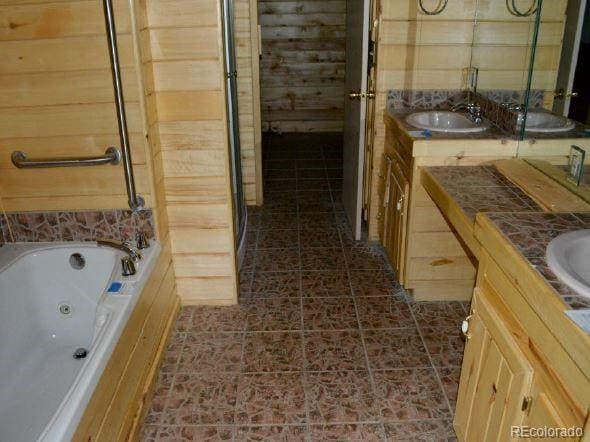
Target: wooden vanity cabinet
(506,378)
(429,259)
(496,377)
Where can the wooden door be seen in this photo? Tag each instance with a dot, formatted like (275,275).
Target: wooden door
(355,107)
(569,55)
(496,377)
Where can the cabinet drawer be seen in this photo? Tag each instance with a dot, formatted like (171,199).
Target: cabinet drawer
(440,268)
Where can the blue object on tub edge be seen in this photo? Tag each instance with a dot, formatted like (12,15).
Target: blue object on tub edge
(115,287)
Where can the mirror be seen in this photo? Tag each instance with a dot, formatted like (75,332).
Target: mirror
(501,56)
(558,101)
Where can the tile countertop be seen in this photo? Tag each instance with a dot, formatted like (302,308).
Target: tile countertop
(478,189)
(530,233)
(520,220)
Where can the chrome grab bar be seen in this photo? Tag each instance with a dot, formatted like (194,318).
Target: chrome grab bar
(112,155)
(135,201)
(20,160)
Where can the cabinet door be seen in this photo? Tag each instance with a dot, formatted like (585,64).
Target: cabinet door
(542,412)
(398,207)
(383,190)
(496,377)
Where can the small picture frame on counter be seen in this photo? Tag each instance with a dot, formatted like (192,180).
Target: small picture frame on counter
(576,165)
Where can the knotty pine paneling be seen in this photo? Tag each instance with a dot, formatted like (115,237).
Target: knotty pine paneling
(57,100)
(185,102)
(246,39)
(302,64)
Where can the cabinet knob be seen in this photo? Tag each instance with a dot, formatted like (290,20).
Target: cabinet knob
(465,327)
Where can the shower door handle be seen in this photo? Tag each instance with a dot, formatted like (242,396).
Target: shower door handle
(355,95)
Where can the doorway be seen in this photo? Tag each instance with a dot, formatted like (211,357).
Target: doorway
(580,105)
(313,75)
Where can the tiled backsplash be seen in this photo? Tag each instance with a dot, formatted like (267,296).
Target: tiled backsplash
(75,226)
(424,99)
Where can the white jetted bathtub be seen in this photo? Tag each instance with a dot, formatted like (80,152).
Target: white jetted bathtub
(63,307)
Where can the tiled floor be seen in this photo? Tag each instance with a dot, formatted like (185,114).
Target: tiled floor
(324,344)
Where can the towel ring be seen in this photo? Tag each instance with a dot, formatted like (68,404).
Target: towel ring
(513,9)
(442,4)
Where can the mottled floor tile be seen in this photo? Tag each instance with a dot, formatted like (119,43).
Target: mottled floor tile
(340,396)
(272,314)
(323,259)
(149,433)
(278,239)
(277,220)
(449,377)
(184,320)
(195,434)
(275,285)
(395,348)
(229,318)
(201,398)
(364,258)
(173,352)
(445,345)
(203,352)
(311,174)
(329,238)
(324,220)
(329,313)
(273,398)
(159,398)
(272,433)
(384,312)
(439,314)
(347,432)
(317,184)
(409,394)
(421,431)
(325,284)
(273,351)
(334,350)
(276,260)
(374,283)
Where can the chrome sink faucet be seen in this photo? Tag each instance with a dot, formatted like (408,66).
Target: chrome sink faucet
(473,110)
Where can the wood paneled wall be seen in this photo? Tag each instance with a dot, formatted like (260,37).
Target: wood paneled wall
(247,51)
(302,66)
(417,51)
(502,44)
(183,78)
(57,99)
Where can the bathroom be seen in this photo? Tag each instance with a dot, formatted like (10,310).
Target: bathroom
(294,220)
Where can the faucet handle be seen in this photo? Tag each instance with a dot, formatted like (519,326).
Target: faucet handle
(141,241)
(128,266)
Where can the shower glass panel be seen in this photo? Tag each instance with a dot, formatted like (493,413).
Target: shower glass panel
(240,212)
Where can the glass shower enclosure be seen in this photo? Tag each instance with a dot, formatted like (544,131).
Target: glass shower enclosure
(239,203)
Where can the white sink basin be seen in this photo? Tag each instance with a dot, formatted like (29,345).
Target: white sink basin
(568,257)
(546,122)
(445,121)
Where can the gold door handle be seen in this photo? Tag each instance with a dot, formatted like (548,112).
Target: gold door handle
(560,94)
(371,95)
(355,95)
